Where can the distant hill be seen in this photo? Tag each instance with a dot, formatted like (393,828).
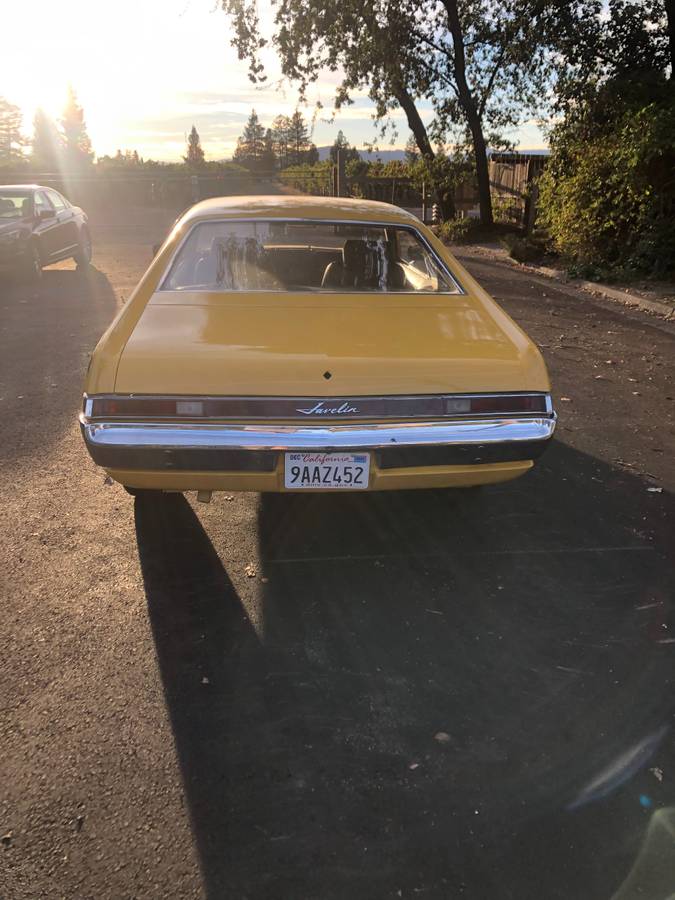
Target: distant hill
(368,155)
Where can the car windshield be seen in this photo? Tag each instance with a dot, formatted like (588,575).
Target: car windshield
(16,204)
(306,256)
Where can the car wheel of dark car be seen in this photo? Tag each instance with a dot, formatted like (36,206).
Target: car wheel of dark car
(83,255)
(32,264)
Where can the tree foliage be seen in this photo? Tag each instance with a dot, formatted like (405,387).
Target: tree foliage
(482,64)
(286,143)
(11,139)
(47,143)
(607,196)
(251,145)
(77,150)
(195,154)
(349,153)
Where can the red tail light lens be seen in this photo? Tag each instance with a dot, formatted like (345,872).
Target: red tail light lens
(509,403)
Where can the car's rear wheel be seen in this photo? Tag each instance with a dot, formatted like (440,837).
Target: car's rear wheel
(83,255)
(31,268)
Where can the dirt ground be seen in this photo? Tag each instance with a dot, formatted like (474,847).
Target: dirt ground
(424,694)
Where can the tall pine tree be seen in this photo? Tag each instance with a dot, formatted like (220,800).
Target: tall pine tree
(195,153)
(298,139)
(11,139)
(281,128)
(77,150)
(47,149)
(250,150)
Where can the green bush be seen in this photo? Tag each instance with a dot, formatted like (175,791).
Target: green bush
(458,231)
(607,196)
(523,249)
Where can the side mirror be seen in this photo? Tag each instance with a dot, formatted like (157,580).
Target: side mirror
(45,214)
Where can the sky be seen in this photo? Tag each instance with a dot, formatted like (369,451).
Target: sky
(145,71)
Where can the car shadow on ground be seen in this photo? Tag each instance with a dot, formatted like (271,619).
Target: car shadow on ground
(448,694)
(49,329)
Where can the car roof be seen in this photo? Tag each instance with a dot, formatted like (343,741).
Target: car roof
(26,187)
(299,206)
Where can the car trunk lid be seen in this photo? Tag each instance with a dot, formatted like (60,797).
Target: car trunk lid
(325,345)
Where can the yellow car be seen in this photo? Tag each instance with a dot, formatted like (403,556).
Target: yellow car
(295,343)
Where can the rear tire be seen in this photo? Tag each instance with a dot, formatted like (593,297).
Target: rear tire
(83,255)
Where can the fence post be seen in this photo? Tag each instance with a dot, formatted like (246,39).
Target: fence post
(424,202)
(194,187)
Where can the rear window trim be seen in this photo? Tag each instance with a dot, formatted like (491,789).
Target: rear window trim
(460,291)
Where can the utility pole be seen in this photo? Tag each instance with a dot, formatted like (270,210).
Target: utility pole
(340,178)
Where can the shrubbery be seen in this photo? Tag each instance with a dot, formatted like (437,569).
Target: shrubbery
(607,196)
(459,231)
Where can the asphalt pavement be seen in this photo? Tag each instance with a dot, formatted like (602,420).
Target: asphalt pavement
(418,694)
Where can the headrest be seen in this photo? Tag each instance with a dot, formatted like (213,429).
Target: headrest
(354,254)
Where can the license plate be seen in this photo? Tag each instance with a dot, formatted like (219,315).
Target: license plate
(327,471)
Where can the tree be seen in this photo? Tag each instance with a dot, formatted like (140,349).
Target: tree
(251,145)
(280,140)
(195,154)
(349,153)
(11,139)
(77,149)
(608,192)
(298,139)
(268,160)
(482,65)
(628,42)
(47,143)
(412,153)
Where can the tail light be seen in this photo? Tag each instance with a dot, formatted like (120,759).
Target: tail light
(238,408)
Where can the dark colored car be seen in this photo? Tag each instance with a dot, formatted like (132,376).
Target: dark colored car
(38,226)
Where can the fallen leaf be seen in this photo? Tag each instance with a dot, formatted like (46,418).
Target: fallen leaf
(442,737)
(107,480)
(655,490)
(657,773)
(229,497)
(249,571)
(205,680)
(413,766)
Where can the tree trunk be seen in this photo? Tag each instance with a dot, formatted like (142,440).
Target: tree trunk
(446,201)
(471,112)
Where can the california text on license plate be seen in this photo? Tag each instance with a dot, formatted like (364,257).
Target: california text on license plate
(323,471)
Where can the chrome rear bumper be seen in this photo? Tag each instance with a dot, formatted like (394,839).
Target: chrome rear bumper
(207,447)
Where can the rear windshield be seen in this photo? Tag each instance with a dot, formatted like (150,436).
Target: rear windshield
(306,256)
(16,204)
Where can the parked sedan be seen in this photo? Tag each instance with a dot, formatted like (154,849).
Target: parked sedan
(38,226)
(312,344)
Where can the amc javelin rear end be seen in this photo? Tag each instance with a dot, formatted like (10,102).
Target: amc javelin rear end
(294,344)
